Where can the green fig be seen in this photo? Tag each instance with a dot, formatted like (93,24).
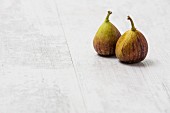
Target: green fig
(132,47)
(106,37)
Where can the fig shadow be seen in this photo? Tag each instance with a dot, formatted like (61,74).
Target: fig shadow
(145,63)
(108,56)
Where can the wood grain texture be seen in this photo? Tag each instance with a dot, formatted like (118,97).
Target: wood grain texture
(48,63)
(109,86)
(37,74)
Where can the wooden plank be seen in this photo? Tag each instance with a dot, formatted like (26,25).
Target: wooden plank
(36,70)
(107,85)
(48,64)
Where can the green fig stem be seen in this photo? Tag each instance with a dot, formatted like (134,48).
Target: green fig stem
(133,26)
(107,17)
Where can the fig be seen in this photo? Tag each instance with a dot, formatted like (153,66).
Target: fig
(106,37)
(132,47)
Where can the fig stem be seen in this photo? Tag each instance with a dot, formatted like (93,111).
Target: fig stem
(107,17)
(133,26)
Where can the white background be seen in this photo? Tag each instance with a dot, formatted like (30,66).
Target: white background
(48,64)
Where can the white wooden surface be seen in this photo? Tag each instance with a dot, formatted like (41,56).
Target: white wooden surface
(48,64)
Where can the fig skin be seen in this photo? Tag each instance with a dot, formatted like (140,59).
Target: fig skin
(106,37)
(132,46)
